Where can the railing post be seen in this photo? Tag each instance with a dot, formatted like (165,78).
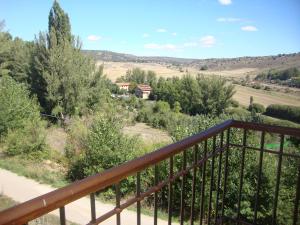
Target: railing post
(219,177)
(242,172)
(296,207)
(93,207)
(211,179)
(155,194)
(203,185)
(182,194)
(277,180)
(225,173)
(62,215)
(194,185)
(118,203)
(138,194)
(170,194)
(262,143)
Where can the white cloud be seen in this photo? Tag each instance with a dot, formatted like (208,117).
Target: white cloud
(161,30)
(160,47)
(94,38)
(190,44)
(208,41)
(174,33)
(249,28)
(225,2)
(229,19)
(145,35)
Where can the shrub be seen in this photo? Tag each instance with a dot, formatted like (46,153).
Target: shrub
(234,103)
(22,129)
(28,141)
(105,147)
(287,112)
(258,108)
(16,108)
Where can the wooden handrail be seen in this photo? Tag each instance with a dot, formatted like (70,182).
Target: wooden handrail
(46,203)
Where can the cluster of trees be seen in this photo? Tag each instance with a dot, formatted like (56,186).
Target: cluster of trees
(196,95)
(289,76)
(139,76)
(53,68)
(286,112)
(48,76)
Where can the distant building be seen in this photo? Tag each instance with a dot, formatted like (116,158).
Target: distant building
(143,91)
(123,86)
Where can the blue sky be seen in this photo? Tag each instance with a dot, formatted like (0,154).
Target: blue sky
(177,28)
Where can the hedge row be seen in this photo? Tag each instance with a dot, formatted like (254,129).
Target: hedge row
(286,112)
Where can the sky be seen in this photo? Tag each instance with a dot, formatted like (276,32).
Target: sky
(175,28)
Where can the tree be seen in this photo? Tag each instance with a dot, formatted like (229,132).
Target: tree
(63,78)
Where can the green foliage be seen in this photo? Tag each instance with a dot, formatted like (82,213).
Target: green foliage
(105,147)
(16,108)
(258,108)
(200,95)
(288,76)
(234,103)
(20,124)
(139,76)
(286,112)
(65,81)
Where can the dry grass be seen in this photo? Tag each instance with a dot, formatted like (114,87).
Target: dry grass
(263,97)
(113,70)
(148,134)
(56,139)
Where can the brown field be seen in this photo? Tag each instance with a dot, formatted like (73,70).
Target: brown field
(263,97)
(113,70)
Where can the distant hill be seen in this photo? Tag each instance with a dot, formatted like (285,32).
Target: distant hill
(280,61)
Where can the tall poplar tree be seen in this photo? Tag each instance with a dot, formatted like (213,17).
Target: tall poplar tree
(62,75)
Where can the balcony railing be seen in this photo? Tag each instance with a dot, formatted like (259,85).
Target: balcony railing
(205,162)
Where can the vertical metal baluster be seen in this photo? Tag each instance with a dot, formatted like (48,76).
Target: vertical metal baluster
(93,207)
(259,175)
(62,215)
(278,179)
(194,184)
(225,174)
(296,207)
(211,179)
(182,189)
(242,172)
(219,178)
(138,194)
(203,185)
(155,194)
(170,194)
(118,202)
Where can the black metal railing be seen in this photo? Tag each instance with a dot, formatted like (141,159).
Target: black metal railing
(205,182)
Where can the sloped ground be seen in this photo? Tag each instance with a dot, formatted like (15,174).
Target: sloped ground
(21,189)
(147,133)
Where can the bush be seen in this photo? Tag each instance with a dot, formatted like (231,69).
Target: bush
(286,112)
(22,129)
(105,147)
(16,106)
(28,141)
(258,108)
(234,103)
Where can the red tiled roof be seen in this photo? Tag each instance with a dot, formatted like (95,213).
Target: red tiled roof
(144,87)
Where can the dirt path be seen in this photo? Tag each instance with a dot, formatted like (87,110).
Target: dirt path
(22,189)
